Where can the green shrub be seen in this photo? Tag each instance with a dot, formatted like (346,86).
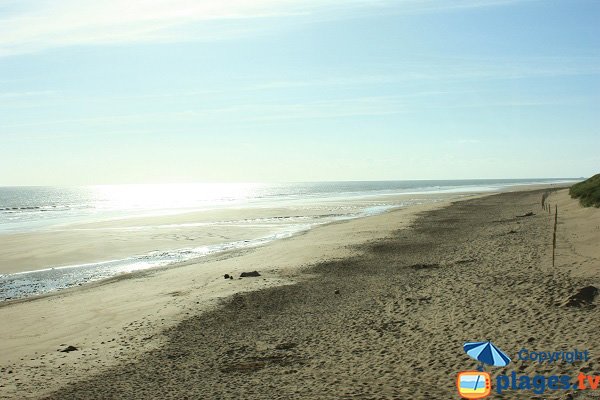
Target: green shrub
(588,191)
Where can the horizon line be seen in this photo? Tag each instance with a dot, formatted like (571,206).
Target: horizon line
(291,182)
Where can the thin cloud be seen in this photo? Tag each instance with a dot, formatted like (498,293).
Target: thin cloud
(34,25)
(450,71)
(364,106)
(464,71)
(271,112)
(465,141)
(13,95)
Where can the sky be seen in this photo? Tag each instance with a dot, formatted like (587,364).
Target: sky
(159,91)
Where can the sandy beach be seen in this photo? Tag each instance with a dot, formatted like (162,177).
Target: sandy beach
(372,308)
(118,319)
(299,200)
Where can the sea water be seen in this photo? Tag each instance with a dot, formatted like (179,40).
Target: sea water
(32,209)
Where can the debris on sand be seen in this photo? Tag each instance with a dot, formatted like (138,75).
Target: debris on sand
(424,266)
(68,349)
(286,346)
(529,214)
(584,297)
(249,274)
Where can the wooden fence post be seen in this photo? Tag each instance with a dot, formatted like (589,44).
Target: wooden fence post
(554,235)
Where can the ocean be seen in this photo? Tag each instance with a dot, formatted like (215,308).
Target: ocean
(305,205)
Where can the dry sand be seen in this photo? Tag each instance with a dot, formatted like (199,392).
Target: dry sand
(375,320)
(578,236)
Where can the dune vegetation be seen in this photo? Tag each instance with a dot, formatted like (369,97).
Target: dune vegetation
(588,191)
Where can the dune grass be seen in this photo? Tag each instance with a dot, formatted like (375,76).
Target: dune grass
(588,191)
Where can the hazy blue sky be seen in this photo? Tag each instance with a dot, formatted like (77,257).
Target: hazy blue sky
(280,90)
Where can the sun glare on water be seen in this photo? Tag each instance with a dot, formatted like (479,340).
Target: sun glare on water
(171,196)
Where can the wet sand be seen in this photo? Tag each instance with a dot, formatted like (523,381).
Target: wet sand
(388,321)
(118,238)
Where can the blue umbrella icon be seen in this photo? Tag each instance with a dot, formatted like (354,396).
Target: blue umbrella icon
(486,353)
